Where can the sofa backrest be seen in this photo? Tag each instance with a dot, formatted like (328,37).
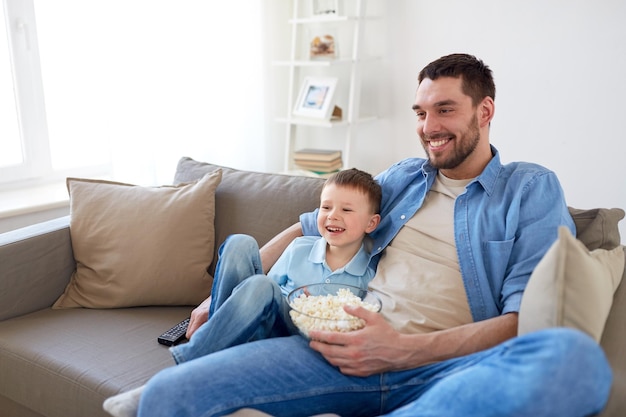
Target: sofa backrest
(258,204)
(263,204)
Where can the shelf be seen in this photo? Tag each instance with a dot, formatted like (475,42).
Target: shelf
(302,121)
(322,19)
(329,19)
(322,62)
(350,81)
(314,63)
(305,173)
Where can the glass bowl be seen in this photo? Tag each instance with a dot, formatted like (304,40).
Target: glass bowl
(320,307)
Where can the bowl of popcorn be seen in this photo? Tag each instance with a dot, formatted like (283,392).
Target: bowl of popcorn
(320,307)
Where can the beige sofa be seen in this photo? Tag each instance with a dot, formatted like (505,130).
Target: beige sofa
(66,362)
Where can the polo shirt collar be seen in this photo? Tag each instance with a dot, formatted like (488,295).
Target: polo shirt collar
(357,265)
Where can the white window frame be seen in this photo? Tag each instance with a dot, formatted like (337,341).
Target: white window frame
(36,167)
(22,34)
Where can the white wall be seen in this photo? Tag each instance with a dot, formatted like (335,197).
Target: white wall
(559,67)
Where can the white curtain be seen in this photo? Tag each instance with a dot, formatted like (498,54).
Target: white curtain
(140,83)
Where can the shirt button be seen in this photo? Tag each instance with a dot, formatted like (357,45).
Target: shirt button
(327,280)
(403,217)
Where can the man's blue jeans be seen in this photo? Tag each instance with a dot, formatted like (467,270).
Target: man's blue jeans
(245,304)
(557,372)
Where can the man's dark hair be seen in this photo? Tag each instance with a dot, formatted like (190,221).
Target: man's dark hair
(477,77)
(361,181)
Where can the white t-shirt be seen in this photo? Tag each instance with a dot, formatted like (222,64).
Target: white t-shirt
(418,277)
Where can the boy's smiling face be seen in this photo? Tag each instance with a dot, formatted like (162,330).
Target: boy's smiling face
(345,215)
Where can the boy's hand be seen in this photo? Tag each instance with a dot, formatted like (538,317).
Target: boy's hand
(199,316)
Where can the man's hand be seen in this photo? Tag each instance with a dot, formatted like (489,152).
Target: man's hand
(373,349)
(378,347)
(199,316)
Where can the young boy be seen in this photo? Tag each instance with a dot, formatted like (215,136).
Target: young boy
(247,305)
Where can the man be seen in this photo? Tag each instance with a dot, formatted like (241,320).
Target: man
(462,234)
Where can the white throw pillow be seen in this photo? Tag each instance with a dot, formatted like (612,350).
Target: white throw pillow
(571,287)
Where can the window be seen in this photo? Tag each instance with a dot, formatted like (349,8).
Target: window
(74,80)
(124,88)
(46,113)
(10,144)
(12,156)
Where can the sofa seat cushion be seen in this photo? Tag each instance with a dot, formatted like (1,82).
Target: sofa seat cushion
(67,362)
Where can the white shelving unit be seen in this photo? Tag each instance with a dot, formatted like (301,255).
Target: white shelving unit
(352,19)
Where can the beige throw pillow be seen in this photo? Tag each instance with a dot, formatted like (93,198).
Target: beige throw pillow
(571,287)
(139,246)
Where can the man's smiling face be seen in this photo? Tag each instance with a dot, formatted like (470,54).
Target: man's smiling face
(448,125)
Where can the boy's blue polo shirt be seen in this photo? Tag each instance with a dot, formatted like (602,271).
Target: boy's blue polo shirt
(304,262)
(504,223)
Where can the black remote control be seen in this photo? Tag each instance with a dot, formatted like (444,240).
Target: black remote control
(174,335)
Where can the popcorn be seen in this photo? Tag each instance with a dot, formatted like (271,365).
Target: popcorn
(325,312)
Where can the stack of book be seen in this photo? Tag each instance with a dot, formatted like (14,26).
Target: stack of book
(319,161)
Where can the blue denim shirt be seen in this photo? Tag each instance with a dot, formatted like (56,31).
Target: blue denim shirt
(504,223)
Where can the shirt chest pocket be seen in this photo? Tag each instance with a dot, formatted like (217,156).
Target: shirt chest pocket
(496,254)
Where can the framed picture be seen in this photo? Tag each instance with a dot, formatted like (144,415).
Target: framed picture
(316,98)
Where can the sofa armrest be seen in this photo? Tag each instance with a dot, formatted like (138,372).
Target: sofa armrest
(36,263)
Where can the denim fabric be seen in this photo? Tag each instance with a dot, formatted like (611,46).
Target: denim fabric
(245,304)
(503,225)
(513,212)
(556,372)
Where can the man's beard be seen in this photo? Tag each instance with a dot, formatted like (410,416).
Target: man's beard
(464,146)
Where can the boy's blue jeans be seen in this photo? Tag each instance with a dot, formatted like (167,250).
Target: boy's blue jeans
(245,304)
(556,372)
